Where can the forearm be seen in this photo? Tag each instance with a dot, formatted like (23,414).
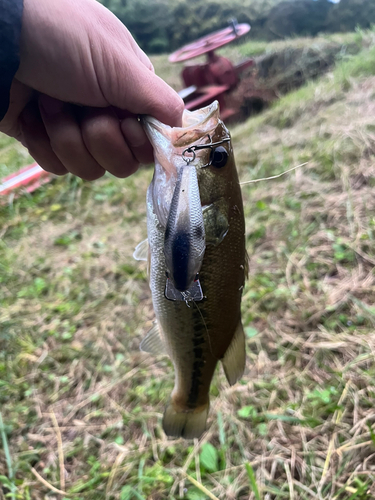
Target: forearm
(10,31)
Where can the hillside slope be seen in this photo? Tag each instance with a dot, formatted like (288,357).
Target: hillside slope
(77,395)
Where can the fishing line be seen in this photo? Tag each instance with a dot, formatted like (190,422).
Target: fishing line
(274,176)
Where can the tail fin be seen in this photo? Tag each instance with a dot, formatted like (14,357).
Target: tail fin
(186,424)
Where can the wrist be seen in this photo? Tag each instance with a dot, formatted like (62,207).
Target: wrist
(10,32)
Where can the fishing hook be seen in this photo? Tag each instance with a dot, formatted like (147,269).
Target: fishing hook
(197,147)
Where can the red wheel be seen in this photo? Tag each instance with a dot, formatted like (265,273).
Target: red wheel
(209,42)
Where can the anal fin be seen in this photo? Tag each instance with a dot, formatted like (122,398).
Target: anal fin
(234,359)
(153,343)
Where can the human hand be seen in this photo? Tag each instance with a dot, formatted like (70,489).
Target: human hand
(81,83)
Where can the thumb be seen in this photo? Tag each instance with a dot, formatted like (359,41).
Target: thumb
(165,105)
(140,91)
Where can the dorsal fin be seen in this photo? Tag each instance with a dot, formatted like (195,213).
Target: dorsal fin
(153,343)
(141,250)
(235,357)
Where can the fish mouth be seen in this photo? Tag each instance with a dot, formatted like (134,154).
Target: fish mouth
(196,125)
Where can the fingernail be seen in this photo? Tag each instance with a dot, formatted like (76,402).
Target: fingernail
(50,105)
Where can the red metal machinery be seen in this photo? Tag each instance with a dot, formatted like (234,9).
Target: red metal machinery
(27,179)
(217,76)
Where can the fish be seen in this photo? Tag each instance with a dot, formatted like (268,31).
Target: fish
(197,261)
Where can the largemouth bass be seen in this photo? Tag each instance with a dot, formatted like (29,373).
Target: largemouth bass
(197,261)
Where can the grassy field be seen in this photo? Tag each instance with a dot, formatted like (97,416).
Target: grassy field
(81,407)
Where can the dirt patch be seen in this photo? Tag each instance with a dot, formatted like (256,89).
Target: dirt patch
(288,69)
(279,72)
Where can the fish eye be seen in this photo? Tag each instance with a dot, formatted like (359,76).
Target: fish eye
(219,157)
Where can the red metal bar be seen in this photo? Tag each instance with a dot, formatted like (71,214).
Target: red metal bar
(30,178)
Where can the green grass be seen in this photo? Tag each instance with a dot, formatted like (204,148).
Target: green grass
(75,305)
(12,156)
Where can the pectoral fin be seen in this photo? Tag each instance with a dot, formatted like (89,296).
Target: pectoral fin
(215,222)
(141,250)
(235,357)
(153,343)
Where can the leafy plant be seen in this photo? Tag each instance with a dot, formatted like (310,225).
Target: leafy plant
(209,458)
(252,481)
